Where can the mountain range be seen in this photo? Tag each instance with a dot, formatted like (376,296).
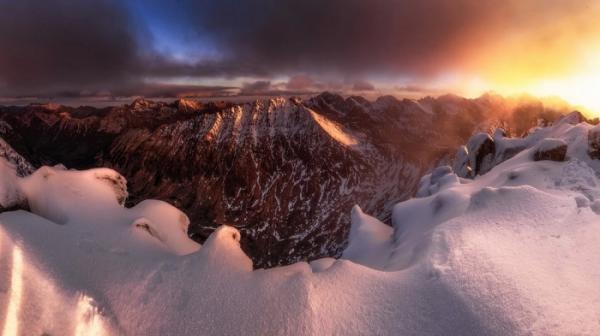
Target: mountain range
(283,171)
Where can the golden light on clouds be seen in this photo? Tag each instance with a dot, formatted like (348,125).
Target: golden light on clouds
(559,57)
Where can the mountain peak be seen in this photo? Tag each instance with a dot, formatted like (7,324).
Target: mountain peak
(184,104)
(141,103)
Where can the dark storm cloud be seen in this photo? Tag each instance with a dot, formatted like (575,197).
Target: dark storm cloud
(78,47)
(63,44)
(365,37)
(158,65)
(347,36)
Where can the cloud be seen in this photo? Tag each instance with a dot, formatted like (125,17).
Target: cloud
(362,86)
(300,82)
(73,47)
(87,48)
(60,45)
(447,45)
(295,86)
(256,88)
(160,90)
(411,37)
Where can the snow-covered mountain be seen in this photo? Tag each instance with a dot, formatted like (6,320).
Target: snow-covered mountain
(510,250)
(285,172)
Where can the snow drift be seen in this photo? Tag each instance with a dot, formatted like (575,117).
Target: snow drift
(513,249)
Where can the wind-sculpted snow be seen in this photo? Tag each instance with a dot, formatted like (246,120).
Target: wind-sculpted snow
(511,252)
(84,255)
(85,258)
(285,172)
(519,245)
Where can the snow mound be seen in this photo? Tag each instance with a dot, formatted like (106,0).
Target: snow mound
(439,178)
(517,245)
(369,239)
(512,250)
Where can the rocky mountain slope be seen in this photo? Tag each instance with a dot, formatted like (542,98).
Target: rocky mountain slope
(284,172)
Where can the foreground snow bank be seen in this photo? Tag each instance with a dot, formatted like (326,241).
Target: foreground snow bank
(513,251)
(519,245)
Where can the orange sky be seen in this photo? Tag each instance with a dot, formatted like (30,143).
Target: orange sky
(558,57)
(409,48)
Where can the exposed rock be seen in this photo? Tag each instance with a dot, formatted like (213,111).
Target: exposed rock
(550,149)
(187,105)
(509,151)
(115,181)
(12,166)
(141,103)
(594,142)
(482,150)
(506,147)
(11,195)
(22,166)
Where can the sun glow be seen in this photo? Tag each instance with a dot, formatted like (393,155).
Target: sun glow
(580,86)
(554,58)
(582,90)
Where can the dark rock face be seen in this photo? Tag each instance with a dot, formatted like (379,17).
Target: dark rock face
(508,153)
(12,166)
(477,157)
(594,142)
(482,151)
(286,172)
(22,166)
(551,149)
(14,207)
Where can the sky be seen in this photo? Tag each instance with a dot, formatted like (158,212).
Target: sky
(121,48)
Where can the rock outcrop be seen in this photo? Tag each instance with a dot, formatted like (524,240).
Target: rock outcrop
(477,157)
(550,149)
(482,150)
(594,142)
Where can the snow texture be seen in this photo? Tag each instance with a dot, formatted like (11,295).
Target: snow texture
(514,251)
